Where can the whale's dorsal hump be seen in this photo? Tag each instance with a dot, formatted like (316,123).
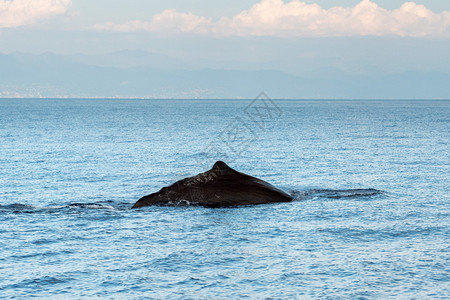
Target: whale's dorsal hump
(220,165)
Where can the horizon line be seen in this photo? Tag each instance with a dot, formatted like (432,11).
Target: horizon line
(233,99)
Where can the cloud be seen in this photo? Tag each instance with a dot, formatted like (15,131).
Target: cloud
(296,19)
(18,13)
(168,21)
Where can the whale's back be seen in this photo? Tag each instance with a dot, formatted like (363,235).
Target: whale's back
(219,187)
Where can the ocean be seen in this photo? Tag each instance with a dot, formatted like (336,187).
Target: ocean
(370,218)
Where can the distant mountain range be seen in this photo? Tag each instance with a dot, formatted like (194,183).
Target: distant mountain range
(139,74)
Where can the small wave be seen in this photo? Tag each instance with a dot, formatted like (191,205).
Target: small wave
(91,206)
(349,193)
(383,233)
(41,282)
(24,208)
(335,194)
(17,207)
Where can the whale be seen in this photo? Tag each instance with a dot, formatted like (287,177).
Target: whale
(221,186)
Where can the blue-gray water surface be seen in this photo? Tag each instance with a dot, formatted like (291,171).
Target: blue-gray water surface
(370,218)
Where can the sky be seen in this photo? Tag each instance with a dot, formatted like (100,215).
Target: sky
(303,38)
(85,20)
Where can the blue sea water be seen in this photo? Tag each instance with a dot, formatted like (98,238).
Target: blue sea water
(370,220)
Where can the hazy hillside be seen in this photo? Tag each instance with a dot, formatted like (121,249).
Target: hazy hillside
(142,74)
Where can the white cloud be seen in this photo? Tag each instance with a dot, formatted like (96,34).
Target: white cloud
(168,21)
(296,18)
(17,13)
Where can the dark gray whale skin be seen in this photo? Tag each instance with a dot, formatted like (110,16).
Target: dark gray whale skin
(219,187)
